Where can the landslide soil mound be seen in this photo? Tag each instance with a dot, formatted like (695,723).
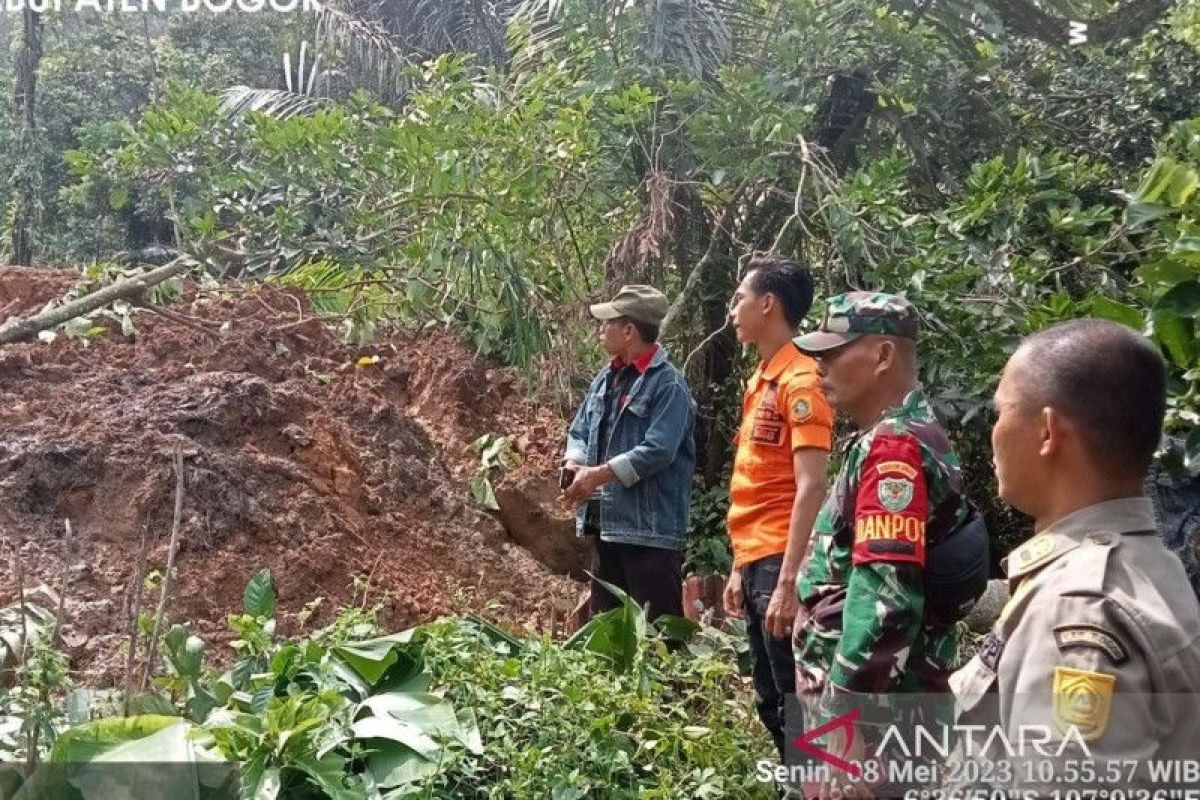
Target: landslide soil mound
(297,458)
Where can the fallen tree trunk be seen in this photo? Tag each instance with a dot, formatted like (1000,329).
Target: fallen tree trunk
(27,328)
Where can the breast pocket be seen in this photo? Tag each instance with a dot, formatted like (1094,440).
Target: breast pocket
(637,417)
(635,424)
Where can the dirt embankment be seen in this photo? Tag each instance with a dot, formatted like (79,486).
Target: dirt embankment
(296,458)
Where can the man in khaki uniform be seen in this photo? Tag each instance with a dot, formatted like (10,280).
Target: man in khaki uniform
(1099,645)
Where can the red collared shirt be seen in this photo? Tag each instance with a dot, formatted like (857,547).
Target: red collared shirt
(641,363)
(621,376)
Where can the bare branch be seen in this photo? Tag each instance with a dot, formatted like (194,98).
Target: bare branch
(135,609)
(152,652)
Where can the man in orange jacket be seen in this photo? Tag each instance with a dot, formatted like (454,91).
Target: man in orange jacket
(779,475)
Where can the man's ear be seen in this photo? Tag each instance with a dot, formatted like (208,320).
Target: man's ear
(1053,431)
(885,355)
(769,301)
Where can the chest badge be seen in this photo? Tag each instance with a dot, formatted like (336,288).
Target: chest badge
(1083,699)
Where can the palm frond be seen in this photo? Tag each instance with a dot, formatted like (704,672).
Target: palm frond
(372,49)
(277,103)
(428,28)
(535,27)
(695,37)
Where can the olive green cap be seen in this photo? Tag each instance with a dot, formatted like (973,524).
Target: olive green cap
(638,302)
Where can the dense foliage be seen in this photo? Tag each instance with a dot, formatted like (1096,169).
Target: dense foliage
(454,709)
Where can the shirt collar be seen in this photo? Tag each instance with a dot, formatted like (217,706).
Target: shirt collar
(913,405)
(641,363)
(1100,521)
(779,362)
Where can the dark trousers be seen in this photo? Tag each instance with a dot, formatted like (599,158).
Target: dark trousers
(774,668)
(652,576)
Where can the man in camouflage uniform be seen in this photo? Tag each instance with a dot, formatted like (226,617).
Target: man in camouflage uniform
(865,626)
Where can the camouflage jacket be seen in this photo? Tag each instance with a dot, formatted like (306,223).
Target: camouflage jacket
(863,623)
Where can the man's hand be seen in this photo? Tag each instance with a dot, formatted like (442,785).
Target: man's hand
(781,612)
(567,474)
(733,595)
(587,480)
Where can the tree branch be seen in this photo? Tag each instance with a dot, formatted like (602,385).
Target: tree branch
(25,329)
(695,278)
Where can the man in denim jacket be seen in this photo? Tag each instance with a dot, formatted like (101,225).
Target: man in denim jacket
(630,457)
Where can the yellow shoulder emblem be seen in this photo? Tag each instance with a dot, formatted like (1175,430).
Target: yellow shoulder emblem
(1033,552)
(1083,699)
(801,410)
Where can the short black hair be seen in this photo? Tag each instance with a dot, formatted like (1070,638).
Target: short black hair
(788,280)
(1110,380)
(646,330)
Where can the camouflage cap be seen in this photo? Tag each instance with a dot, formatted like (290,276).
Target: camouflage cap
(848,316)
(638,302)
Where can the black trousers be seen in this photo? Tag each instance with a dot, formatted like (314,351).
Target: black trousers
(774,667)
(652,576)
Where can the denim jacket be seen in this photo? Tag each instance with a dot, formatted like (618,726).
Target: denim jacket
(650,449)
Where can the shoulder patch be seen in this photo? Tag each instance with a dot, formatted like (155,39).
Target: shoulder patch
(1033,553)
(1083,700)
(801,410)
(1093,636)
(991,650)
(901,467)
(891,504)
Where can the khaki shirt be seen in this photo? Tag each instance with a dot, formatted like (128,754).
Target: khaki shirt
(1102,633)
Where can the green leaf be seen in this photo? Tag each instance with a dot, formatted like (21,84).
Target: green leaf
(93,739)
(329,774)
(564,791)
(396,730)
(494,634)
(200,705)
(427,712)
(118,197)
(1174,334)
(678,628)
(393,764)
(1106,308)
(259,597)
(492,452)
(373,657)
(1182,185)
(152,703)
(1183,300)
(1165,272)
(617,634)
(1168,180)
(268,784)
(1138,214)
(482,491)
(11,778)
(184,652)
